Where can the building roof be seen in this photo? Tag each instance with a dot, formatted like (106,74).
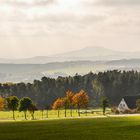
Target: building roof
(131,101)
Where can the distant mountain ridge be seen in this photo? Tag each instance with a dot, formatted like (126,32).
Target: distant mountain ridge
(88,53)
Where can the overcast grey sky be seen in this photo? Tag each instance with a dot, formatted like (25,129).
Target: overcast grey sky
(44,27)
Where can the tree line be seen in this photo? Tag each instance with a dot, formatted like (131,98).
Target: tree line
(12,103)
(110,84)
(69,101)
(72,100)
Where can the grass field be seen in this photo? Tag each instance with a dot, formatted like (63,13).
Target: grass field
(51,114)
(118,128)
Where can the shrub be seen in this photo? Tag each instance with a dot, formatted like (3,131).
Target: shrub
(130,111)
(115,110)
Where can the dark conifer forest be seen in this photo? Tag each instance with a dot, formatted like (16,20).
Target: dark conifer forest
(111,84)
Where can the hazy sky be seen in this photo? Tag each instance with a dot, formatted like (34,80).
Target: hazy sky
(44,27)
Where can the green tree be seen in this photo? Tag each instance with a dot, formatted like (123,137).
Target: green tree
(12,104)
(113,84)
(24,105)
(105,104)
(47,111)
(32,110)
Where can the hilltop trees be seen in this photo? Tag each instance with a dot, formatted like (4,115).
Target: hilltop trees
(47,89)
(25,104)
(2,102)
(117,84)
(12,104)
(113,84)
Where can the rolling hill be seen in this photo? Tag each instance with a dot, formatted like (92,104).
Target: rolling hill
(85,54)
(29,72)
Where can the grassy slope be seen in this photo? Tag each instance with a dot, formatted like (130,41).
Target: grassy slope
(126,128)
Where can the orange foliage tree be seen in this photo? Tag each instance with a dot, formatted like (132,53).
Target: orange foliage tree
(80,100)
(67,102)
(57,105)
(2,102)
(69,96)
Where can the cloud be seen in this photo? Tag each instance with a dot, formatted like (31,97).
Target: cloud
(42,20)
(118,2)
(47,17)
(69,22)
(26,3)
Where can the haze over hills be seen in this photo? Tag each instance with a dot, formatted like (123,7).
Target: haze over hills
(81,61)
(88,53)
(30,72)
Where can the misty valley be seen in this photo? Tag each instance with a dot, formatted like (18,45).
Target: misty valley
(30,72)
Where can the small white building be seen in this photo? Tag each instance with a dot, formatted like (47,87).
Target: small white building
(128,102)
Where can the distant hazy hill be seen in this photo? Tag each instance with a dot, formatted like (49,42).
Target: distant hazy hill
(88,53)
(29,72)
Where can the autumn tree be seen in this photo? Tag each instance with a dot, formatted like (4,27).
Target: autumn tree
(12,104)
(24,105)
(65,104)
(57,105)
(80,100)
(69,96)
(2,102)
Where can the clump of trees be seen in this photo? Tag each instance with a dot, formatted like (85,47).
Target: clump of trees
(72,100)
(12,103)
(26,104)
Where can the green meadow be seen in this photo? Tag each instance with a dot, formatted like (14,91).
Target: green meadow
(110,128)
(7,115)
